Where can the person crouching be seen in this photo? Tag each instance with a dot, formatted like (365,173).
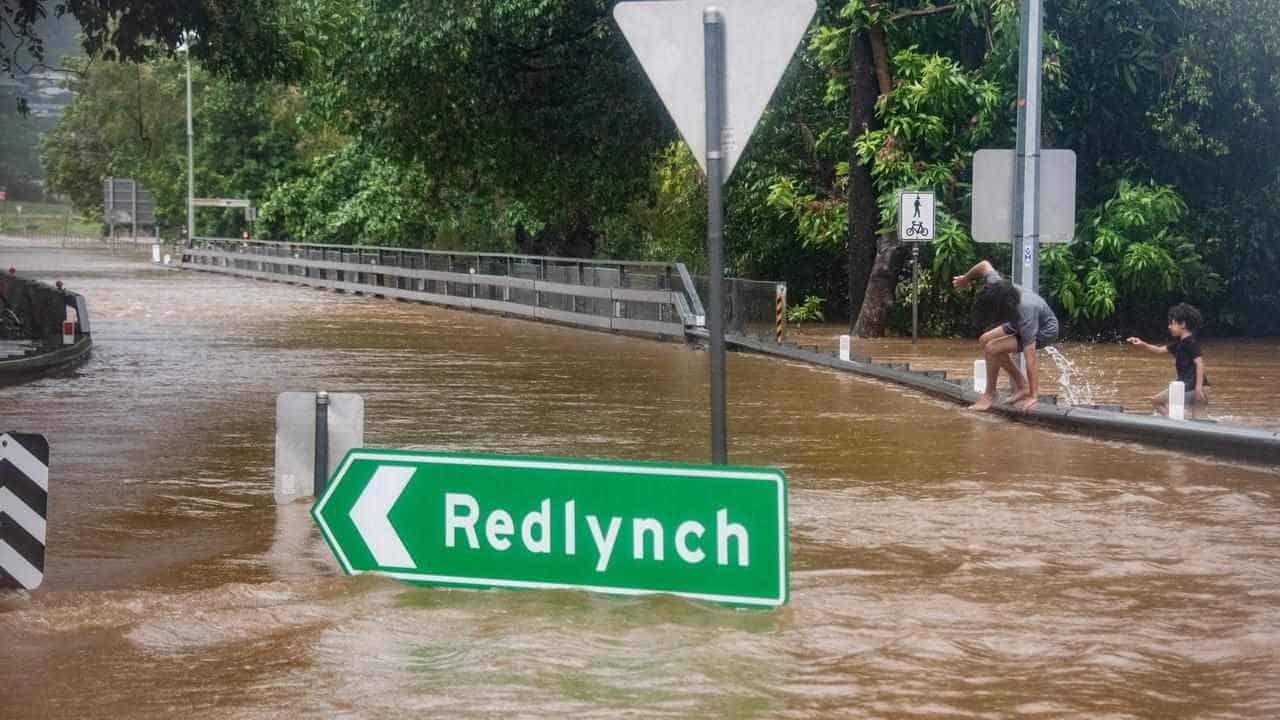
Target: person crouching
(1020,321)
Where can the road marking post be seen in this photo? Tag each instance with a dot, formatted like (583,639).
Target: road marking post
(780,311)
(24,509)
(1177,400)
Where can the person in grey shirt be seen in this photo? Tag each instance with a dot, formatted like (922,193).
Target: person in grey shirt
(1020,321)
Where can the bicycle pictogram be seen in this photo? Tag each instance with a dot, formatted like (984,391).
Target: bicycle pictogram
(917,229)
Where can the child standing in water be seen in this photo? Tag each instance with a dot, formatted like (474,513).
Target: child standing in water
(1020,321)
(1188,361)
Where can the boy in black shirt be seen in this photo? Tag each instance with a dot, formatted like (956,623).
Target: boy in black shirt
(1184,321)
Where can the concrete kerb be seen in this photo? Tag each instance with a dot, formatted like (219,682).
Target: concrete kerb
(1229,442)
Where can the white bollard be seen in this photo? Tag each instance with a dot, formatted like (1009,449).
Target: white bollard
(68,333)
(166,259)
(844,348)
(155,253)
(980,376)
(1177,400)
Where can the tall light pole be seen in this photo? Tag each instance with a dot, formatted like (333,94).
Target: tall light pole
(191,173)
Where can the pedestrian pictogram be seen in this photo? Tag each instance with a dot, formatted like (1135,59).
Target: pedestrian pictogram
(916,216)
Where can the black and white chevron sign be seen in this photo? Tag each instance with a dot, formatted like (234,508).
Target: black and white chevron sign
(24,505)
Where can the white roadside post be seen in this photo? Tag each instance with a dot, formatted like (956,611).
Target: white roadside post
(844,348)
(980,376)
(1177,400)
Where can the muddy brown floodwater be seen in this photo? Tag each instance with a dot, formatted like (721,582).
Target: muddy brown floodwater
(944,564)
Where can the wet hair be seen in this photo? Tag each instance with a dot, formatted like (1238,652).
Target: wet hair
(1187,315)
(997,303)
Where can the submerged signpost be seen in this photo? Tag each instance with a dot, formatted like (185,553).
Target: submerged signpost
(708,533)
(739,49)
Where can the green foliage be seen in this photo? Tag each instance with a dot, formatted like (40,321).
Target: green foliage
(242,38)
(808,311)
(1132,252)
(125,121)
(670,223)
(536,101)
(463,125)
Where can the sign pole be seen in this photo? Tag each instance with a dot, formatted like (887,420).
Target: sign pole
(321,472)
(713,44)
(1026,182)
(915,292)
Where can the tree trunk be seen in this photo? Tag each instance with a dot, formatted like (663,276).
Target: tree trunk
(880,53)
(864,216)
(879,298)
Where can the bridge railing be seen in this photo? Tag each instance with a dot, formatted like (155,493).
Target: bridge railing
(648,298)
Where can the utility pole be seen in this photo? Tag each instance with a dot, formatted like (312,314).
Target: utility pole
(191,173)
(1026,162)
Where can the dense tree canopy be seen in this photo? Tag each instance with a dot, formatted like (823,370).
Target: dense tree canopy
(526,124)
(246,38)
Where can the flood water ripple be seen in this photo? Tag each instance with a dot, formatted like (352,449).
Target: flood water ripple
(942,564)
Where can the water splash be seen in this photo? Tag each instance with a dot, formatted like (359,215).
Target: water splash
(1073,380)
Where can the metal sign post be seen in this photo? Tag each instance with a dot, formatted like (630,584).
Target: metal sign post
(713,44)
(313,432)
(916,224)
(741,48)
(708,533)
(1026,184)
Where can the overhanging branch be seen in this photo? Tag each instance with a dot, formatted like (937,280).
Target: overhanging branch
(923,12)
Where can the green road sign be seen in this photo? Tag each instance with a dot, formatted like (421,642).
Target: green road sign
(715,533)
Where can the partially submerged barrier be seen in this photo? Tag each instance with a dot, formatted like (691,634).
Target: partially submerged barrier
(644,298)
(1230,442)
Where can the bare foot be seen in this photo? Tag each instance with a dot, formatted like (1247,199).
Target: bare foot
(1018,394)
(1028,404)
(984,403)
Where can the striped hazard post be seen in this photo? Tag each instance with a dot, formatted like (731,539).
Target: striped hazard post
(24,503)
(780,311)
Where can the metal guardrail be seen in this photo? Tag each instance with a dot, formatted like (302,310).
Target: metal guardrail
(750,306)
(637,297)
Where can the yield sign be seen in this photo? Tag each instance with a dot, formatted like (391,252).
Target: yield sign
(760,38)
(709,532)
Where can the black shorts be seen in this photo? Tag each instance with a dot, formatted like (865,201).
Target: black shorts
(1042,339)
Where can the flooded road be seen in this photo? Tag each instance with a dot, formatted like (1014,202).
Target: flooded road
(1243,373)
(943,564)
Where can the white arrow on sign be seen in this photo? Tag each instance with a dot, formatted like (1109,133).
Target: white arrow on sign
(369,515)
(760,38)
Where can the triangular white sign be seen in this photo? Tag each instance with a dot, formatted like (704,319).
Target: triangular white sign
(760,38)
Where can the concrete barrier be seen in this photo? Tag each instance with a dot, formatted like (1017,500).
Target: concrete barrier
(1221,440)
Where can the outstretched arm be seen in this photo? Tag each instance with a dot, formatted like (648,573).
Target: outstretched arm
(977,271)
(1157,349)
